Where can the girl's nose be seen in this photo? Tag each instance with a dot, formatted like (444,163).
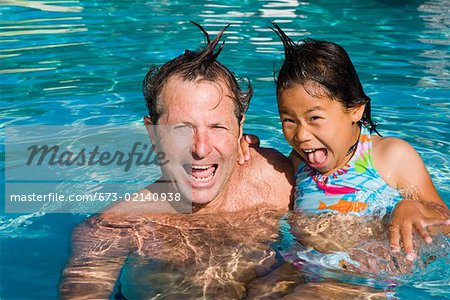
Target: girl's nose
(303,134)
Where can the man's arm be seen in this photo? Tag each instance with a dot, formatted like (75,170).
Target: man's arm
(99,250)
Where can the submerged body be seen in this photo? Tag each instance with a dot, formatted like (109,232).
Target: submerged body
(215,251)
(172,256)
(344,242)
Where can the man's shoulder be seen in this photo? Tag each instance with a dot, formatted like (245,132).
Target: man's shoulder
(270,160)
(269,177)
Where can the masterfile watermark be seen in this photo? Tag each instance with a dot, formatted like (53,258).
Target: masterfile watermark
(86,168)
(140,155)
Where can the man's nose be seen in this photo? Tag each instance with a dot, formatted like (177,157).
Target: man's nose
(201,145)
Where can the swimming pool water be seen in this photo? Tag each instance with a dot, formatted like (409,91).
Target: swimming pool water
(82,62)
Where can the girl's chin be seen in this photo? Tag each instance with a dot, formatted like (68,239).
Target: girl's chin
(322,166)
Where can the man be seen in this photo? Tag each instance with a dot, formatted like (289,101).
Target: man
(225,242)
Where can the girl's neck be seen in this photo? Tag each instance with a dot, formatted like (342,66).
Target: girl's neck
(351,150)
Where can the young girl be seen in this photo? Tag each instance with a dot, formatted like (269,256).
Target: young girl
(341,167)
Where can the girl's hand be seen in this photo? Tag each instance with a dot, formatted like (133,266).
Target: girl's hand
(247,141)
(418,215)
(401,167)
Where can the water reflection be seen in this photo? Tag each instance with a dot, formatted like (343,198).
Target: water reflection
(72,62)
(279,9)
(436,18)
(42,5)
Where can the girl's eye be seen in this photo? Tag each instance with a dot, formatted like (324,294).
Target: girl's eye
(287,120)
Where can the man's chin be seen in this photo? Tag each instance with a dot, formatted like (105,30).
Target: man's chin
(202,198)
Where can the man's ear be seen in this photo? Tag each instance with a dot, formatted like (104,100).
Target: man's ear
(241,126)
(148,125)
(148,120)
(357,112)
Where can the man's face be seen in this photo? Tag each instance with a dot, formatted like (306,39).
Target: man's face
(203,111)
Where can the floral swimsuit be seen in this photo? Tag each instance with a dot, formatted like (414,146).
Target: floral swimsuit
(356,188)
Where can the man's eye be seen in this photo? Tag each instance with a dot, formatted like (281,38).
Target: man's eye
(315,118)
(182,126)
(220,127)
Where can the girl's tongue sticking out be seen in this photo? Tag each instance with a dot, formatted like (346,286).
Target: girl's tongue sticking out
(316,157)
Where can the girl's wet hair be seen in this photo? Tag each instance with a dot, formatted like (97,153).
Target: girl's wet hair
(322,67)
(201,64)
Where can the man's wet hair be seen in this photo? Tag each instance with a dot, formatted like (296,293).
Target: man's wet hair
(196,65)
(322,67)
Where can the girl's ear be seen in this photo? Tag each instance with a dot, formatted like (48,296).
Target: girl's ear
(357,112)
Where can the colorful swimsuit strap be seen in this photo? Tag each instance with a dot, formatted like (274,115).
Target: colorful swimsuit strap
(363,139)
(322,181)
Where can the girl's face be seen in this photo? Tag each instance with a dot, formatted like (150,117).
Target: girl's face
(318,128)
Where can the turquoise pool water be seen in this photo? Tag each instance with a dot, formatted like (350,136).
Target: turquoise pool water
(82,62)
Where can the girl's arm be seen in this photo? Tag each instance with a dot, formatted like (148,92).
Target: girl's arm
(401,167)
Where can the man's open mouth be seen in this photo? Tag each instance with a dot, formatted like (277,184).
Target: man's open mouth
(201,173)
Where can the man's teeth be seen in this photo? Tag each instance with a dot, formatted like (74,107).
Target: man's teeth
(198,170)
(201,178)
(200,167)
